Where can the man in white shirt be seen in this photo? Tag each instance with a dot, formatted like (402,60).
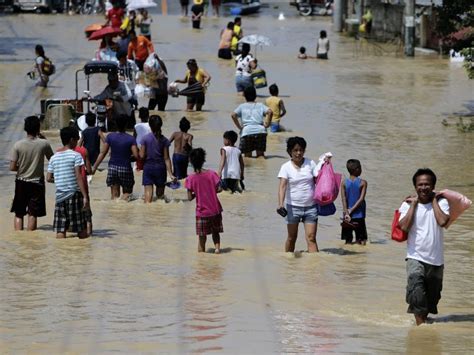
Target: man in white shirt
(423,217)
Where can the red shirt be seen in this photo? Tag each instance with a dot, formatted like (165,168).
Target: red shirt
(115,16)
(82,151)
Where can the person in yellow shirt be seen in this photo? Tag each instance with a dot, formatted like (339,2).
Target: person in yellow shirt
(277,106)
(194,75)
(238,34)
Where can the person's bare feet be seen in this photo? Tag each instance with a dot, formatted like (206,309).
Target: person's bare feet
(217,251)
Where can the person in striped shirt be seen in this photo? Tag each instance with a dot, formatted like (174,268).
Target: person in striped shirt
(64,169)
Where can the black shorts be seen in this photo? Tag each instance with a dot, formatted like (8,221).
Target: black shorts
(70,215)
(360,231)
(29,199)
(196,99)
(224,53)
(253,142)
(231,184)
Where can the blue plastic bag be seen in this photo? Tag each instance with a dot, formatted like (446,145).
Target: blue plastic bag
(327,210)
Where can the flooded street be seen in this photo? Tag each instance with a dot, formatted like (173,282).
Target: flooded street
(139,286)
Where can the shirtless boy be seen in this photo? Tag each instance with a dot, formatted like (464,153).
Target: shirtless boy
(183,142)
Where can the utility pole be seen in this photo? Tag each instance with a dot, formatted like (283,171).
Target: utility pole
(338,15)
(409,28)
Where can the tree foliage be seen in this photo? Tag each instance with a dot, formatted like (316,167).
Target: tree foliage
(468,54)
(454,15)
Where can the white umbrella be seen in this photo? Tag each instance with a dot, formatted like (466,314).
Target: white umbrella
(256,40)
(140,4)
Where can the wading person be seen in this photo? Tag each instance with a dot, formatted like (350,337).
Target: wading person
(154,151)
(353,190)
(184,7)
(322,46)
(120,172)
(159,88)
(183,143)
(252,119)
(42,67)
(244,65)
(197,11)
(27,160)
(139,49)
(224,44)
(423,216)
(295,194)
(203,186)
(238,34)
(231,166)
(195,75)
(64,170)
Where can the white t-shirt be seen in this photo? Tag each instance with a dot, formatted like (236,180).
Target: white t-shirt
(243,65)
(142,129)
(425,238)
(323,45)
(300,188)
(232,165)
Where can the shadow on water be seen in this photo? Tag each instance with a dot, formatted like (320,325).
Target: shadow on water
(341,251)
(273,156)
(378,241)
(454,318)
(103,233)
(45,227)
(224,250)
(97,233)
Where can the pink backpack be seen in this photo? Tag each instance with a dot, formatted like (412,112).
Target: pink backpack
(327,185)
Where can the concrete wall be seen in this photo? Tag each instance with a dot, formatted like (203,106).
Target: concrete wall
(387,20)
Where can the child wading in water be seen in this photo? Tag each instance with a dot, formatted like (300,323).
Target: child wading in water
(204,186)
(231,167)
(302,54)
(322,47)
(183,142)
(353,192)
(277,106)
(64,170)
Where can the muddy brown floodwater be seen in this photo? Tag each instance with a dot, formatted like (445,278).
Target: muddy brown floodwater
(138,285)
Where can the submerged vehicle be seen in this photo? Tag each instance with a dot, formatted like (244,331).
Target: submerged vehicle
(313,7)
(243,8)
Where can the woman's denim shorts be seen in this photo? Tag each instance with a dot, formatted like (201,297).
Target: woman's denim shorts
(242,82)
(298,214)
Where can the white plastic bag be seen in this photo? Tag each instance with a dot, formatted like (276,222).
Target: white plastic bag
(152,68)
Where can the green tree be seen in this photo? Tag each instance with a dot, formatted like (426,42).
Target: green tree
(454,15)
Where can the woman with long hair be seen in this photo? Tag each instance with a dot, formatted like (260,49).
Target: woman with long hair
(155,152)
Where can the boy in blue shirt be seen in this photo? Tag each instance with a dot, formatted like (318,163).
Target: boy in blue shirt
(64,170)
(353,192)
